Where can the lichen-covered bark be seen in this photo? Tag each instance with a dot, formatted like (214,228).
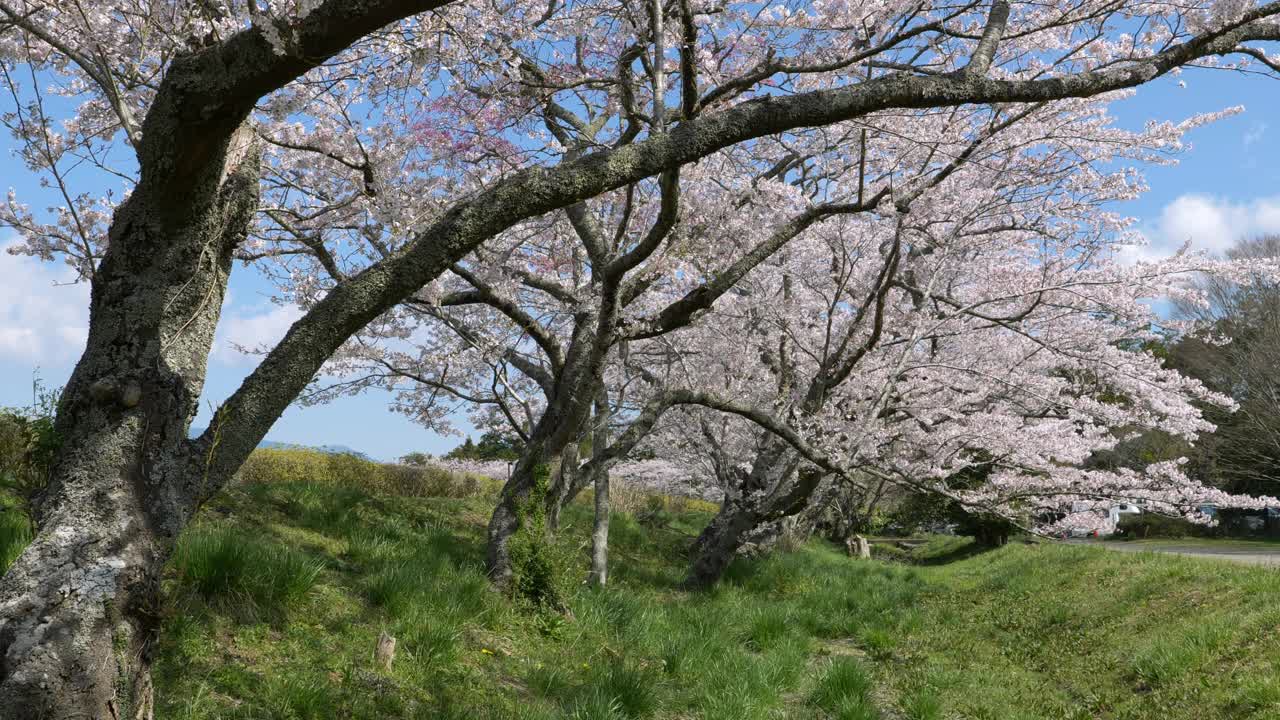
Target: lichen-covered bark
(78,610)
(564,480)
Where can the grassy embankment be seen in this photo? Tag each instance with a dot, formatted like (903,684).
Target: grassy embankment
(280,589)
(1213,544)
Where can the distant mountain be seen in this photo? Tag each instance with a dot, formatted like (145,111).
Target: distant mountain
(276,444)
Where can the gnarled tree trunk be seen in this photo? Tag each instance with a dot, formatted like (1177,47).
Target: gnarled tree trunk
(718,543)
(777,488)
(505,521)
(568,407)
(79,608)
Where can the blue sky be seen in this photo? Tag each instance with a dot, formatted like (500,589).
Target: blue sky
(1224,187)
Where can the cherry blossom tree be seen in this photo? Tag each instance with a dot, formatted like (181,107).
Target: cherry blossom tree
(989,330)
(389,139)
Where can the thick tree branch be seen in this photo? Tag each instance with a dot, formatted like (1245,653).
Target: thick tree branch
(207,95)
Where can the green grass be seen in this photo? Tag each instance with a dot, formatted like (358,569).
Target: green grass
(232,567)
(15,533)
(844,692)
(1077,632)
(1028,631)
(1232,544)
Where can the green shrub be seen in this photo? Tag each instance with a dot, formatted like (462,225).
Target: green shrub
(537,565)
(348,469)
(285,465)
(416,459)
(1152,525)
(28,444)
(228,566)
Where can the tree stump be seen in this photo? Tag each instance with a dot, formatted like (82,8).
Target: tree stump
(857,546)
(385,653)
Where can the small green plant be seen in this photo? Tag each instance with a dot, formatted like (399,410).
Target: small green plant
(632,689)
(879,642)
(768,627)
(844,692)
(229,567)
(537,568)
(396,587)
(596,705)
(550,679)
(922,704)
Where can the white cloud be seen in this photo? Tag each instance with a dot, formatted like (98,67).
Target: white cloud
(1208,223)
(44,314)
(251,330)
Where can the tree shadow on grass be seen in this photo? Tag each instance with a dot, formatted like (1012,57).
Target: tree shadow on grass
(955,553)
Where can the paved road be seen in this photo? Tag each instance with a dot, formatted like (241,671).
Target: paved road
(1246,555)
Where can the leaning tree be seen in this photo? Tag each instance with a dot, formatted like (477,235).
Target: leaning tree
(938,348)
(404,126)
(525,329)
(980,318)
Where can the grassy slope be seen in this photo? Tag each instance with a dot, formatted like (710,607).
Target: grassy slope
(1232,544)
(1073,632)
(280,592)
